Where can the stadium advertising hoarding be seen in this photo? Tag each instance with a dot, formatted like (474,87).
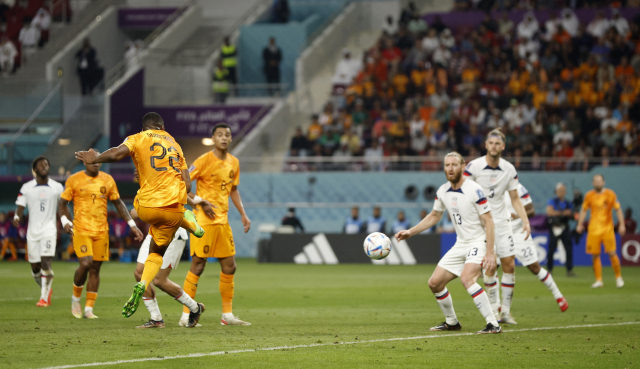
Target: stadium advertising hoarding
(143,18)
(320,248)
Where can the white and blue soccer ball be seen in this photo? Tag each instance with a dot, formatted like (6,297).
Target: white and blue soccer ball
(377,245)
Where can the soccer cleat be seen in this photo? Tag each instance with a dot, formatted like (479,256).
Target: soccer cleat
(598,284)
(131,306)
(506,318)
(446,327)
(619,282)
(152,324)
(42,303)
(562,302)
(194,317)
(230,319)
(90,315)
(489,329)
(76,310)
(185,322)
(198,232)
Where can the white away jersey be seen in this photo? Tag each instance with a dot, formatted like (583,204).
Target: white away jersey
(516,224)
(42,202)
(465,205)
(495,182)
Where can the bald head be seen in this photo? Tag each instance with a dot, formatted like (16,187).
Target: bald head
(561,190)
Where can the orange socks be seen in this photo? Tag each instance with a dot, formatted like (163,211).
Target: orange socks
(615,264)
(190,286)
(91,299)
(226,291)
(151,268)
(597,267)
(77,292)
(188,225)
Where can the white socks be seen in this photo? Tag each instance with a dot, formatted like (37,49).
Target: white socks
(187,301)
(154,309)
(46,280)
(547,279)
(481,300)
(185,316)
(508,282)
(37,277)
(446,305)
(491,284)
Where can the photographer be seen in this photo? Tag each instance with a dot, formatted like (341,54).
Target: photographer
(559,212)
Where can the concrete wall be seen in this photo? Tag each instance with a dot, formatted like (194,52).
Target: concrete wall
(106,38)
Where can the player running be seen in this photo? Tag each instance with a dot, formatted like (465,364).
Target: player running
(41,196)
(601,201)
(89,191)
(526,249)
(497,176)
(473,250)
(217,174)
(164,184)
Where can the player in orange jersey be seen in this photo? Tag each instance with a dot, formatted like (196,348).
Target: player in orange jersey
(89,191)
(164,184)
(601,201)
(218,175)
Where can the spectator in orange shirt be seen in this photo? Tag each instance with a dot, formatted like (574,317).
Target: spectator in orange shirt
(624,69)
(381,126)
(561,36)
(427,112)
(315,129)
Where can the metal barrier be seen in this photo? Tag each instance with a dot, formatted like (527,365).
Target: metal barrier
(199,92)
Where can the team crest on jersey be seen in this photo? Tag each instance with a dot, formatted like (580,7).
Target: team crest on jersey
(493,178)
(83,248)
(231,174)
(454,202)
(103,190)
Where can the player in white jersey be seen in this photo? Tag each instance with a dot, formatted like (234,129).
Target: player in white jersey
(473,250)
(497,177)
(41,196)
(527,250)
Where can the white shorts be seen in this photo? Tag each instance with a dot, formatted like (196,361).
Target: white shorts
(461,254)
(43,247)
(504,244)
(526,250)
(173,253)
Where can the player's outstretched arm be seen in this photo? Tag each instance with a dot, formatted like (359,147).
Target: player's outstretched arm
(17,218)
(429,221)
(622,229)
(65,215)
(517,205)
(109,156)
(237,201)
(489,259)
(124,213)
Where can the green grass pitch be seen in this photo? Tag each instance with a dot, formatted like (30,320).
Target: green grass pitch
(330,313)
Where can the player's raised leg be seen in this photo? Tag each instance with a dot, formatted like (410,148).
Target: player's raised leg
(546,278)
(438,285)
(174,290)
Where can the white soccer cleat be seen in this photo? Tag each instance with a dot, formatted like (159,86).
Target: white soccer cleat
(76,310)
(507,319)
(90,315)
(598,284)
(619,282)
(185,322)
(230,319)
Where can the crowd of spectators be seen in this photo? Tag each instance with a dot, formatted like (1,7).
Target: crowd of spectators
(558,89)
(24,27)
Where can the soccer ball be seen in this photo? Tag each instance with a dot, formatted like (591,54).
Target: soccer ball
(377,245)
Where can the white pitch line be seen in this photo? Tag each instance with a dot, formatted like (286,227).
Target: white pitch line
(9,299)
(217,353)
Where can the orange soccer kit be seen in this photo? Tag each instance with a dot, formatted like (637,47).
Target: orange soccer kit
(215,180)
(601,229)
(162,194)
(90,227)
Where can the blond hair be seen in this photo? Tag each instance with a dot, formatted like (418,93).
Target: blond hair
(497,132)
(456,154)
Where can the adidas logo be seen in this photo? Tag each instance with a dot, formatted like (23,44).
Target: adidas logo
(319,251)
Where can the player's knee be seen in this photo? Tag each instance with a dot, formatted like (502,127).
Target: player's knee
(467,280)
(137,274)
(435,285)
(534,268)
(229,269)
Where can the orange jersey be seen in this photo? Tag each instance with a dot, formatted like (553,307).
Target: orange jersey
(159,161)
(215,180)
(89,196)
(601,206)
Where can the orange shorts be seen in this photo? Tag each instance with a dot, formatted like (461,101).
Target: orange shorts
(595,240)
(88,245)
(217,242)
(164,222)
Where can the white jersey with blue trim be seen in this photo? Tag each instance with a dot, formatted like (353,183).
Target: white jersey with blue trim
(42,203)
(495,182)
(525,198)
(465,205)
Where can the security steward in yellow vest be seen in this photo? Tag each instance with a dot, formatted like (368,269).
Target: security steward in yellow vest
(220,85)
(229,55)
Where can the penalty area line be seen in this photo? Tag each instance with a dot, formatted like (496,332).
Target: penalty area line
(218,353)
